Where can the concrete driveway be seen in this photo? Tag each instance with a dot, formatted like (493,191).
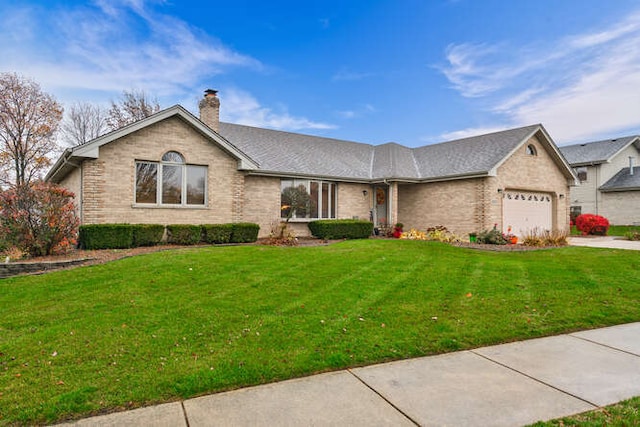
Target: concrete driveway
(611,242)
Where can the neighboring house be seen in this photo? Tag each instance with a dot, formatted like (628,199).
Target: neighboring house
(175,168)
(609,183)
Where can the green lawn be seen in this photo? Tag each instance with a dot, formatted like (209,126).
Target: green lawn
(181,323)
(623,414)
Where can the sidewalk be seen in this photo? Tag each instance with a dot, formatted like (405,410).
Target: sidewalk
(505,385)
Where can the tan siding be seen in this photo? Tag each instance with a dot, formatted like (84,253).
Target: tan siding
(621,208)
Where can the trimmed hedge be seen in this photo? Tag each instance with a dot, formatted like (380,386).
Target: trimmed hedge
(217,233)
(184,234)
(147,234)
(105,236)
(341,229)
(244,232)
(123,236)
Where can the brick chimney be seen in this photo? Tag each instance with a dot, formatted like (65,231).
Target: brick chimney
(210,109)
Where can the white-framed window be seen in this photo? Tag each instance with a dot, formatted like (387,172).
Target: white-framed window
(531,150)
(170,182)
(581,172)
(308,199)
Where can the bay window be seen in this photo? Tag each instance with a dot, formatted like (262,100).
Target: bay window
(308,199)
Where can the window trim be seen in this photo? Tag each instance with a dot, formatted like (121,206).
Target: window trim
(332,205)
(159,183)
(531,150)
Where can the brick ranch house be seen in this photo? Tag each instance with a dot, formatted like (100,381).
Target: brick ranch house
(174,168)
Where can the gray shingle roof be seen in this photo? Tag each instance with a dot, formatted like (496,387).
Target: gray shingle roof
(474,155)
(595,152)
(290,153)
(623,181)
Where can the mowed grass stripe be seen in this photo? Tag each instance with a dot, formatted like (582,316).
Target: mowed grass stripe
(177,324)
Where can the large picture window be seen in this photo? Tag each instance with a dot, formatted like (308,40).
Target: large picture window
(171,182)
(304,198)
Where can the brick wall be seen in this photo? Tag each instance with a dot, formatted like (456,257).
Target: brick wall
(468,205)
(109,182)
(458,205)
(532,173)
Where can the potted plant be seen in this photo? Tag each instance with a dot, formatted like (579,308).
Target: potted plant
(510,238)
(397,230)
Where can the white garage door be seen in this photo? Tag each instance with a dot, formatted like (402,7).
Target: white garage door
(525,211)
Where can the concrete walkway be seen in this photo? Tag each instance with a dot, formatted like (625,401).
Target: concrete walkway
(505,385)
(611,242)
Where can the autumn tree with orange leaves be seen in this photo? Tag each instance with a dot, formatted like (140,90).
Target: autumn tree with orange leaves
(29,119)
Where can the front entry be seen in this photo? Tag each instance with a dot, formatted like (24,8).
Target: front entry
(381,206)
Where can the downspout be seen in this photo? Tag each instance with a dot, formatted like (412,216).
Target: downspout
(596,189)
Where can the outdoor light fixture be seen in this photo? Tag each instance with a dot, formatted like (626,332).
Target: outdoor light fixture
(364,193)
(500,190)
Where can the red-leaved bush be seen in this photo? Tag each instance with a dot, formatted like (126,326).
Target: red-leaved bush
(592,224)
(39,218)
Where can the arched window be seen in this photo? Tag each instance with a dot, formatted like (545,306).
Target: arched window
(531,150)
(172,157)
(170,181)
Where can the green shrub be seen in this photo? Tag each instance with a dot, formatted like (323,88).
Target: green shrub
(184,234)
(491,237)
(341,229)
(632,235)
(147,234)
(244,232)
(217,233)
(106,236)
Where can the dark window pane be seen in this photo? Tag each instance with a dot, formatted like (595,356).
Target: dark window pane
(314,199)
(146,182)
(334,200)
(325,200)
(196,178)
(285,202)
(171,185)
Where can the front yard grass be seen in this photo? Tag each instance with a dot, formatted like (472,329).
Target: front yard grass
(177,324)
(622,414)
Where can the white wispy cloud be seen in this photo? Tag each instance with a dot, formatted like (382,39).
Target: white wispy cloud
(243,108)
(360,111)
(582,86)
(96,51)
(345,74)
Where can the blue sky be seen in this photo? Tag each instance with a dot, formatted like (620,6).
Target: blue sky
(409,71)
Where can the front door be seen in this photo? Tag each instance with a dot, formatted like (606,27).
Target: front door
(380,210)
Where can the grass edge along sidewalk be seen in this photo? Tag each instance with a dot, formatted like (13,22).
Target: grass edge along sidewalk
(174,325)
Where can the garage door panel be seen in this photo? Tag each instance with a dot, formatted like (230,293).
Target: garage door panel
(525,211)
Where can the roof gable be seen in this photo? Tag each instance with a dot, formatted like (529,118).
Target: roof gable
(91,149)
(597,152)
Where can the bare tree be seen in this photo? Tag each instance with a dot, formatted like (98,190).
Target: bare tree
(132,106)
(84,122)
(29,119)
